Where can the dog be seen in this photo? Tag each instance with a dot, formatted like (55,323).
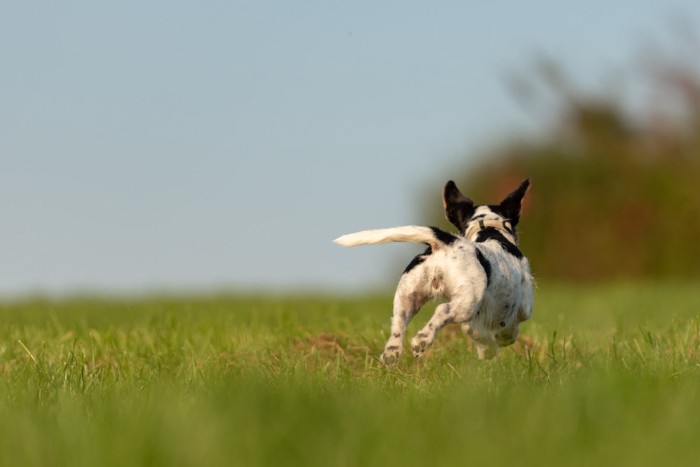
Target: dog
(481,273)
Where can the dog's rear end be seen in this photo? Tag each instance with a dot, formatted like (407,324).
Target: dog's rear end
(482,274)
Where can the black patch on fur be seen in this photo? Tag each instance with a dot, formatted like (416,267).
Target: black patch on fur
(506,215)
(442,236)
(493,234)
(484,264)
(418,259)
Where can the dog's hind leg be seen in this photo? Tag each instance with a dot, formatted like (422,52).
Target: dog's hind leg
(458,310)
(426,336)
(406,305)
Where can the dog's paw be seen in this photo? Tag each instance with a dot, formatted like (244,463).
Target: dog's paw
(419,345)
(486,352)
(391,355)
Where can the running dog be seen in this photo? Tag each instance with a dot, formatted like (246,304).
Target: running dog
(481,273)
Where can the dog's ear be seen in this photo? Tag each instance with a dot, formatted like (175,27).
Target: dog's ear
(511,204)
(458,208)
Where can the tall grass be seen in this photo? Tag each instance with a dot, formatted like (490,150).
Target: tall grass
(601,375)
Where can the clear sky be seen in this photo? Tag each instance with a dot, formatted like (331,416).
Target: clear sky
(188,145)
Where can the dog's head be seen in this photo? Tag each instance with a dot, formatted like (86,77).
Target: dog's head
(461,211)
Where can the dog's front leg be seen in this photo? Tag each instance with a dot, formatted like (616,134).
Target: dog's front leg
(486,347)
(406,305)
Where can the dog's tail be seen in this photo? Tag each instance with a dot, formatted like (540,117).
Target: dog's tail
(431,236)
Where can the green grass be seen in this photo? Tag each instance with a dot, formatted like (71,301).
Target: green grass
(601,375)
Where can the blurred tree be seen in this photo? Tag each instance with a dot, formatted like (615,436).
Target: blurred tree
(614,195)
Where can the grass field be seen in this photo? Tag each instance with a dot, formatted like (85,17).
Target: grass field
(600,376)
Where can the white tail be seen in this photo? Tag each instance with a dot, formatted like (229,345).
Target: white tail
(410,234)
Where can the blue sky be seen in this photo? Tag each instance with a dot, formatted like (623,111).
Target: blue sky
(224,144)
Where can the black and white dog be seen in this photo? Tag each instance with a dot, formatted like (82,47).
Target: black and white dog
(481,273)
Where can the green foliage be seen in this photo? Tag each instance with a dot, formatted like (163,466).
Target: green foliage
(614,195)
(603,375)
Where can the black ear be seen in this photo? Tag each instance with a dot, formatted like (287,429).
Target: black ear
(458,208)
(511,204)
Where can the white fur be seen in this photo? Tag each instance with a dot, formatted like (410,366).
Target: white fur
(410,234)
(488,308)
